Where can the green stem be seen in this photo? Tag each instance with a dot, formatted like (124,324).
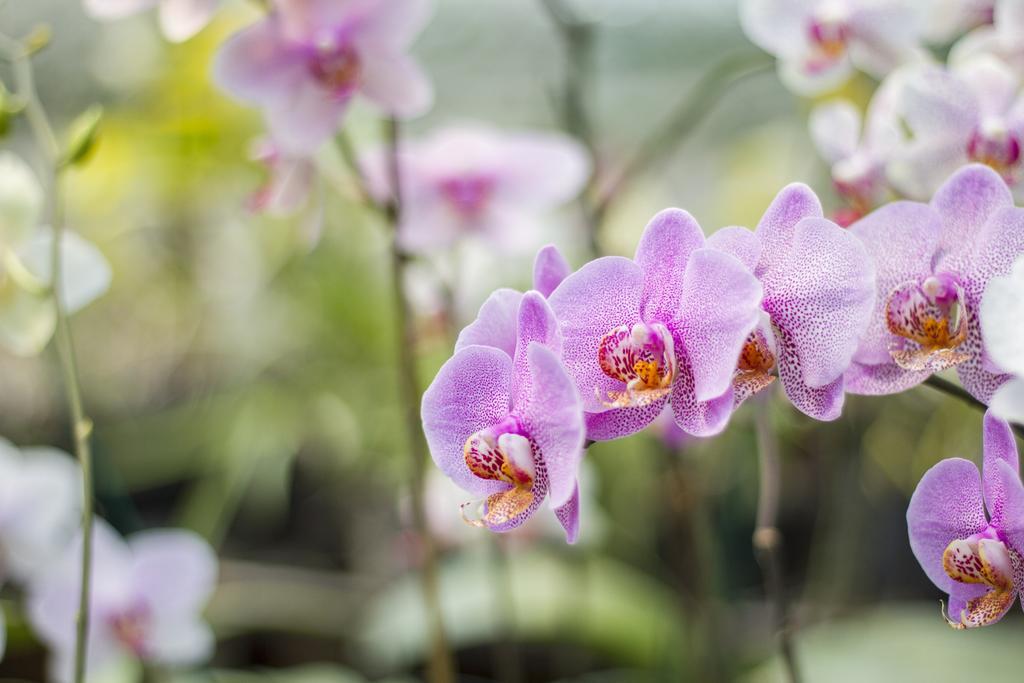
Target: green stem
(767,539)
(958,392)
(81,425)
(441,665)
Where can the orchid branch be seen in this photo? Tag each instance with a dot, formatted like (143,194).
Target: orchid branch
(441,668)
(767,539)
(19,55)
(958,392)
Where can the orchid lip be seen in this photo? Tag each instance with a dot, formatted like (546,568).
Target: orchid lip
(337,68)
(986,561)
(754,370)
(643,357)
(506,454)
(928,319)
(994,145)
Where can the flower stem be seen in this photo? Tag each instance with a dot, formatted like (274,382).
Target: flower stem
(958,392)
(441,667)
(767,540)
(81,425)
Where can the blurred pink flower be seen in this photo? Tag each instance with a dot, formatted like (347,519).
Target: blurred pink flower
(147,597)
(473,179)
(305,61)
(946,20)
(291,188)
(179,19)
(999,37)
(819,43)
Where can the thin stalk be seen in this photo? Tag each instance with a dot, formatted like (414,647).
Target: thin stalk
(767,539)
(441,668)
(699,102)
(958,392)
(81,425)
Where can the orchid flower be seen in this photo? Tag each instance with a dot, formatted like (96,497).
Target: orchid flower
(40,493)
(1002,327)
(505,423)
(945,20)
(998,37)
(819,291)
(291,188)
(179,19)
(27,315)
(476,180)
(858,153)
(665,327)
(147,595)
(934,261)
(974,557)
(973,112)
(305,61)
(819,43)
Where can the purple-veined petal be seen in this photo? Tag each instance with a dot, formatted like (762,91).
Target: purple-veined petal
(471,392)
(589,304)
(395,83)
(536,323)
(740,242)
(823,402)
(1012,522)
(721,305)
(835,129)
(698,418)
(553,417)
(998,446)
(663,255)
(901,239)
(881,379)
(947,505)
(568,515)
(775,229)
(820,294)
(619,422)
(966,202)
(496,323)
(182,19)
(549,269)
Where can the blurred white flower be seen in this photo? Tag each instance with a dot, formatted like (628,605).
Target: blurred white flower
(858,151)
(179,19)
(1000,38)
(476,180)
(1002,328)
(972,112)
(946,20)
(819,43)
(27,316)
(147,597)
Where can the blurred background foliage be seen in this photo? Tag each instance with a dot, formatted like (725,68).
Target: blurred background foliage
(240,376)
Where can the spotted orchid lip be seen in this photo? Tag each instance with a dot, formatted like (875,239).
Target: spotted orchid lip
(643,357)
(503,453)
(754,369)
(982,561)
(928,319)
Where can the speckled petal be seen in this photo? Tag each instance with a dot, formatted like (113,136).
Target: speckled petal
(881,379)
(552,415)
(569,516)
(721,306)
(471,392)
(999,446)
(740,242)
(1012,522)
(620,422)
(549,269)
(698,418)
(965,203)
(662,254)
(591,302)
(791,205)
(537,323)
(820,402)
(496,323)
(820,293)
(901,239)
(947,505)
